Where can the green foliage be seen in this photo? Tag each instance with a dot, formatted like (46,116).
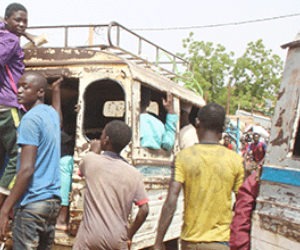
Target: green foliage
(209,69)
(251,79)
(257,76)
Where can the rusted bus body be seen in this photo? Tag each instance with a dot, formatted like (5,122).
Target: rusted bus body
(92,79)
(276,220)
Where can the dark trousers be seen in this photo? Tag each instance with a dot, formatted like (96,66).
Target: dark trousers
(8,147)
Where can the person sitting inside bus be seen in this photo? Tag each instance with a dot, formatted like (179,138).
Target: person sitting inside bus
(187,134)
(155,134)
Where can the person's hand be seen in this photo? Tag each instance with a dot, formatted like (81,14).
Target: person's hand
(77,108)
(3,223)
(95,146)
(168,103)
(56,85)
(129,242)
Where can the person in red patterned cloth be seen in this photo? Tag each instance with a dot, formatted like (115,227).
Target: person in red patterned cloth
(258,149)
(112,187)
(240,228)
(255,155)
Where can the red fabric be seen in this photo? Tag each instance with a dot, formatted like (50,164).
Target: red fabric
(258,151)
(11,80)
(142,202)
(244,149)
(241,223)
(13,84)
(79,173)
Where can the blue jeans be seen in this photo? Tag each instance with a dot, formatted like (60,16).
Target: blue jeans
(34,225)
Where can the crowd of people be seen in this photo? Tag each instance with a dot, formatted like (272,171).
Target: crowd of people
(252,148)
(39,175)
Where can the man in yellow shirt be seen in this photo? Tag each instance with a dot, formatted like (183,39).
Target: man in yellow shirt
(208,173)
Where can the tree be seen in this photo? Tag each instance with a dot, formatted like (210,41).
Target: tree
(257,76)
(209,70)
(247,82)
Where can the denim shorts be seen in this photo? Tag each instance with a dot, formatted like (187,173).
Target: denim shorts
(34,225)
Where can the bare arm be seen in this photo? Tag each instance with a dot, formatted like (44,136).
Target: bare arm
(95,146)
(139,220)
(56,99)
(28,158)
(168,138)
(167,213)
(168,103)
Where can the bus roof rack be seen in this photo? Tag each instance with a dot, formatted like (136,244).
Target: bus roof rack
(116,39)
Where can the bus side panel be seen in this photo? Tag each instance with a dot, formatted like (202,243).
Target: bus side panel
(145,237)
(276,220)
(262,239)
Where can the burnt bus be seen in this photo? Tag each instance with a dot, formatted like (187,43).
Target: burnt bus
(104,80)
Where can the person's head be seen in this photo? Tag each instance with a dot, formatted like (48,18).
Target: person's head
(115,136)
(31,89)
(243,141)
(145,98)
(226,139)
(185,110)
(15,18)
(256,137)
(248,138)
(211,117)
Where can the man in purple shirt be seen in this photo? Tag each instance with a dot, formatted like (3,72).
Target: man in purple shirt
(11,69)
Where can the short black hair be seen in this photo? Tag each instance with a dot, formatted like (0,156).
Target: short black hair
(212,117)
(119,134)
(13,7)
(226,136)
(39,80)
(145,97)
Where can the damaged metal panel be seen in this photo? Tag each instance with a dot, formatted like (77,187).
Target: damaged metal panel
(40,56)
(142,75)
(279,209)
(51,57)
(286,115)
(144,237)
(276,219)
(267,240)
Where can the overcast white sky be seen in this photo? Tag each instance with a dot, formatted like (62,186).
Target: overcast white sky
(175,13)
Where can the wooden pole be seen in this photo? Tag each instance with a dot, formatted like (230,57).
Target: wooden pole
(228,96)
(91,35)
